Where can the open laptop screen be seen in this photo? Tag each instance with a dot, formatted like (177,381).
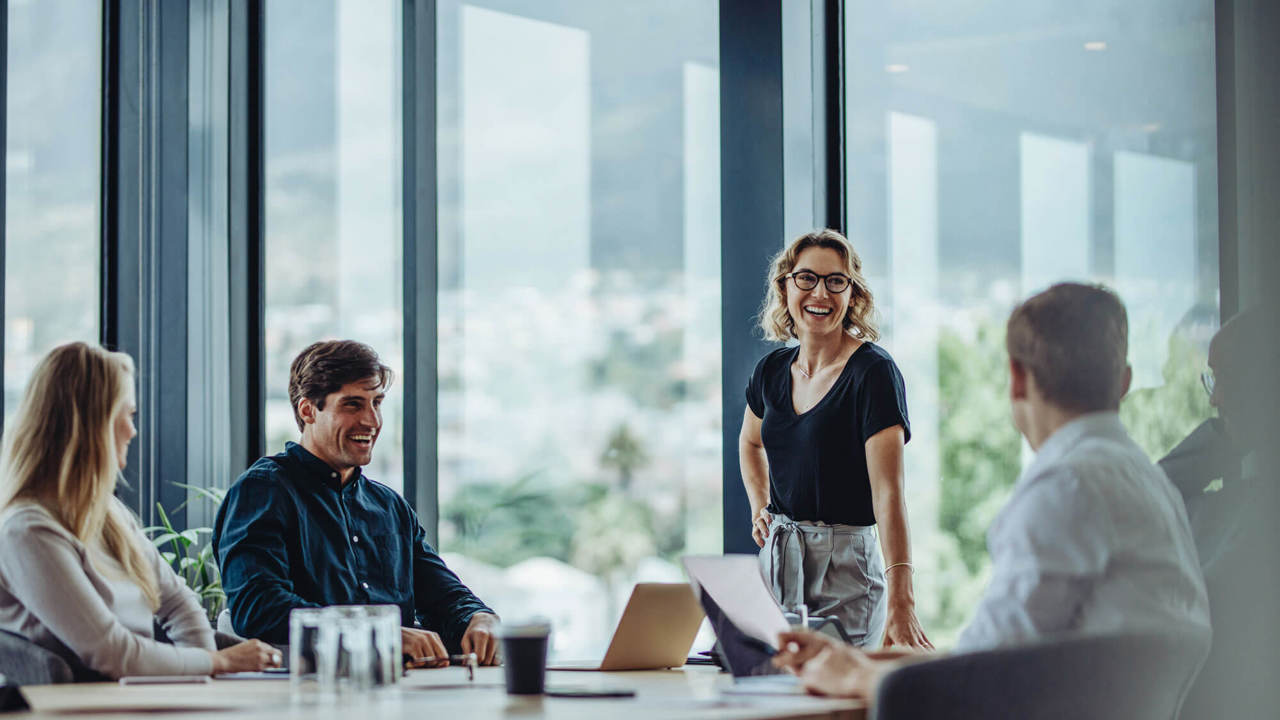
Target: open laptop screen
(742,654)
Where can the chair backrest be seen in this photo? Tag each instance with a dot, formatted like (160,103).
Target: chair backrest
(1129,677)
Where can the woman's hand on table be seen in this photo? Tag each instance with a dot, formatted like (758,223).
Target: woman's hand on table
(248,656)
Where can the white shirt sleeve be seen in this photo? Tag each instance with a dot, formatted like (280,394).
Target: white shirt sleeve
(45,573)
(1048,548)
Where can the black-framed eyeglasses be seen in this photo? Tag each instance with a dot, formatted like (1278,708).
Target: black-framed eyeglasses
(808,280)
(1208,381)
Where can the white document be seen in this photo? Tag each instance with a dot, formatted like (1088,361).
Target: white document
(736,584)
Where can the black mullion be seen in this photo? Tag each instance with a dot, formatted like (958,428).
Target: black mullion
(834,150)
(109,210)
(1228,220)
(246,227)
(751,218)
(420,261)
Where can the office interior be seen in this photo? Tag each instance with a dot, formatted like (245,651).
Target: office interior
(553,219)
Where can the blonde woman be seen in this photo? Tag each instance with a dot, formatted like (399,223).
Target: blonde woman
(76,573)
(821,449)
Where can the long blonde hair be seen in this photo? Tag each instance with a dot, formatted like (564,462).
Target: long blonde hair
(776,321)
(60,451)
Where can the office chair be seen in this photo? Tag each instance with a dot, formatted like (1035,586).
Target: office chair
(1103,677)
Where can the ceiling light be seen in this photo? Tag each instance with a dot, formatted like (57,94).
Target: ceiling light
(1095,46)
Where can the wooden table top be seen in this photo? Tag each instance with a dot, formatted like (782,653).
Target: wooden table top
(692,692)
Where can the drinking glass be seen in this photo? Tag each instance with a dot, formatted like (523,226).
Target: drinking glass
(388,664)
(312,652)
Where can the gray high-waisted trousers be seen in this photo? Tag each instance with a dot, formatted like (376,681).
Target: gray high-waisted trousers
(836,570)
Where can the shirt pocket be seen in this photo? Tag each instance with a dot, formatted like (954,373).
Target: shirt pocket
(393,561)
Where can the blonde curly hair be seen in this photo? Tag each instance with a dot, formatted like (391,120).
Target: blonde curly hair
(776,321)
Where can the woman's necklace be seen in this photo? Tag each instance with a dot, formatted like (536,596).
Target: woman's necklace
(808,376)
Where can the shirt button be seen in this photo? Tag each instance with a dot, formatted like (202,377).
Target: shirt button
(333,475)
(364,585)
(355,538)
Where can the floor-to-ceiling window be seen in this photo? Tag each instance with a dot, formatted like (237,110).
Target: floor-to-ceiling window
(579,303)
(992,150)
(52,185)
(333,194)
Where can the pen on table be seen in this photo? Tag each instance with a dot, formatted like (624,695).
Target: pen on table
(467,660)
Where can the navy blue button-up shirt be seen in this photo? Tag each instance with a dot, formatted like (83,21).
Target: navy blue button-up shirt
(290,535)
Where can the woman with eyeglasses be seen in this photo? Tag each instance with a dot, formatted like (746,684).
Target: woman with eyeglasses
(77,576)
(821,449)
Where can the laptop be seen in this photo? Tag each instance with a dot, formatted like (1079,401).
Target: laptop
(656,630)
(746,620)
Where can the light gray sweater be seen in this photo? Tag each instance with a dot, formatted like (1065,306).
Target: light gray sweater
(64,595)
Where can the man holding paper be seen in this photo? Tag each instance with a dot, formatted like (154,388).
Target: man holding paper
(1094,538)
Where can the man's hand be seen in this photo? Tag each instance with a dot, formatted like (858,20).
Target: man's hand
(828,667)
(481,638)
(760,527)
(799,647)
(423,643)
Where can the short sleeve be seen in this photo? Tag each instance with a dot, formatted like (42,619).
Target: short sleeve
(882,400)
(755,389)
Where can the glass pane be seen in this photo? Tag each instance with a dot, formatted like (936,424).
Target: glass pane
(333,198)
(51,183)
(579,306)
(995,149)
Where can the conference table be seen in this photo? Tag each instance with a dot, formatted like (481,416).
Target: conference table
(689,692)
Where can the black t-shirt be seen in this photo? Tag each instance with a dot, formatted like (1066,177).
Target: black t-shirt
(818,460)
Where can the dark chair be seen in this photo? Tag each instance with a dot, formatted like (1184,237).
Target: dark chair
(23,662)
(1125,677)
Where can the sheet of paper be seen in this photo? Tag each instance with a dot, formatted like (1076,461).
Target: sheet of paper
(737,585)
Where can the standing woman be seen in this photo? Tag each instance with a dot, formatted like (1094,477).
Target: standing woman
(77,576)
(821,449)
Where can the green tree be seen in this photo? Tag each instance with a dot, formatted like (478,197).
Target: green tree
(1158,418)
(625,453)
(979,444)
(505,523)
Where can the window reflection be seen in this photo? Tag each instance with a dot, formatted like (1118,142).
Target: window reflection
(51,184)
(579,302)
(997,149)
(333,215)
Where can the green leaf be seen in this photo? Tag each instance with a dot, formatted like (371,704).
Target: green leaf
(165,538)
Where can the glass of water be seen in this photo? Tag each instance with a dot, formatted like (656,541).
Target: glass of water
(387,661)
(353,671)
(312,652)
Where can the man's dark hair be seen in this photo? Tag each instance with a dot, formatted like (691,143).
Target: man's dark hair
(1074,340)
(326,366)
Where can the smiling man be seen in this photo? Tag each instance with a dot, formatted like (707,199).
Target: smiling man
(307,528)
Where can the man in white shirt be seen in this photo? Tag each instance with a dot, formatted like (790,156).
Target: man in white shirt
(1094,538)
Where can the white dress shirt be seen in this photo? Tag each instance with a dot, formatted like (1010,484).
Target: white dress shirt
(1094,539)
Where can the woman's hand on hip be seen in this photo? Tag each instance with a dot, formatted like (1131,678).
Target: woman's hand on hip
(760,527)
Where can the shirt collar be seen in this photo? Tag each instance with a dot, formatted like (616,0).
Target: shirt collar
(1096,424)
(317,469)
